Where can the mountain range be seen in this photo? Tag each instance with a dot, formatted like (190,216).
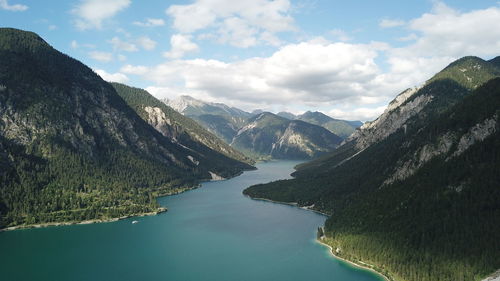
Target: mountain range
(415,192)
(74,147)
(267,134)
(233,126)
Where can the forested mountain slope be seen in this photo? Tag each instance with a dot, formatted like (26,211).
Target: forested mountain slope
(71,148)
(416,191)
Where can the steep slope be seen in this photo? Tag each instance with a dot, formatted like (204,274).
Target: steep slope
(183,130)
(341,128)
(71,148)
(268,135)
(415,192)
(495,62)
(218,118)
(221,126)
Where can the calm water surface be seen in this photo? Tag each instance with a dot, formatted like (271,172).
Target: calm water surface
(211,233)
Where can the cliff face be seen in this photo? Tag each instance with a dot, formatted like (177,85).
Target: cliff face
(393,118)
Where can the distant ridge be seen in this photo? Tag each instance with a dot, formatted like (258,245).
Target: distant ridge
(228,123)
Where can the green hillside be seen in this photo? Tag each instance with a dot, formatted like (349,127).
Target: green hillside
(71,148)
(421,202)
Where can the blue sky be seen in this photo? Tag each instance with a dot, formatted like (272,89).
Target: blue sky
(345,58)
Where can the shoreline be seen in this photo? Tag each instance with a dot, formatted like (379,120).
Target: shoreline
(368,267)
(295,204)
(92,221)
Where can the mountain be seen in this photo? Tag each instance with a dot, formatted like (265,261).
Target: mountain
(265,135)
(415,192)
(341,128)
(495,62)
(192,107)
(183,130)
(256,112)
(286,115)
(72,149)
(218,118)
(269,135)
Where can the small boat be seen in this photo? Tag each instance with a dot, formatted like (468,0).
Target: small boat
(134,222)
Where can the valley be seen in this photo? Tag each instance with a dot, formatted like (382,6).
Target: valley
(249,140)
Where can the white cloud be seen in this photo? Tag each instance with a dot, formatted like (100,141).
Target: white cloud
(91,13)
(308,73)
(447,32)
(270,39)
(190,18)
(360,113)
(4,4)
(121,45)
(340,35)
(180,45)
(122,57)
(167,92)
(137,70)
(52,27)
(440,37)
(340,78)
(239,23)
(409,37)
(112,77)
(388,23)
(146,43)
(238,33)
(150,22)
(101,56)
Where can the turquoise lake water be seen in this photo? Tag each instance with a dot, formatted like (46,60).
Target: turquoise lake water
(211,233)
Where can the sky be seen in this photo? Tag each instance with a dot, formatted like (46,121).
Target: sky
(348,59)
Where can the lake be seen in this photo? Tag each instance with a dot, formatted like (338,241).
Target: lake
(210,233)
